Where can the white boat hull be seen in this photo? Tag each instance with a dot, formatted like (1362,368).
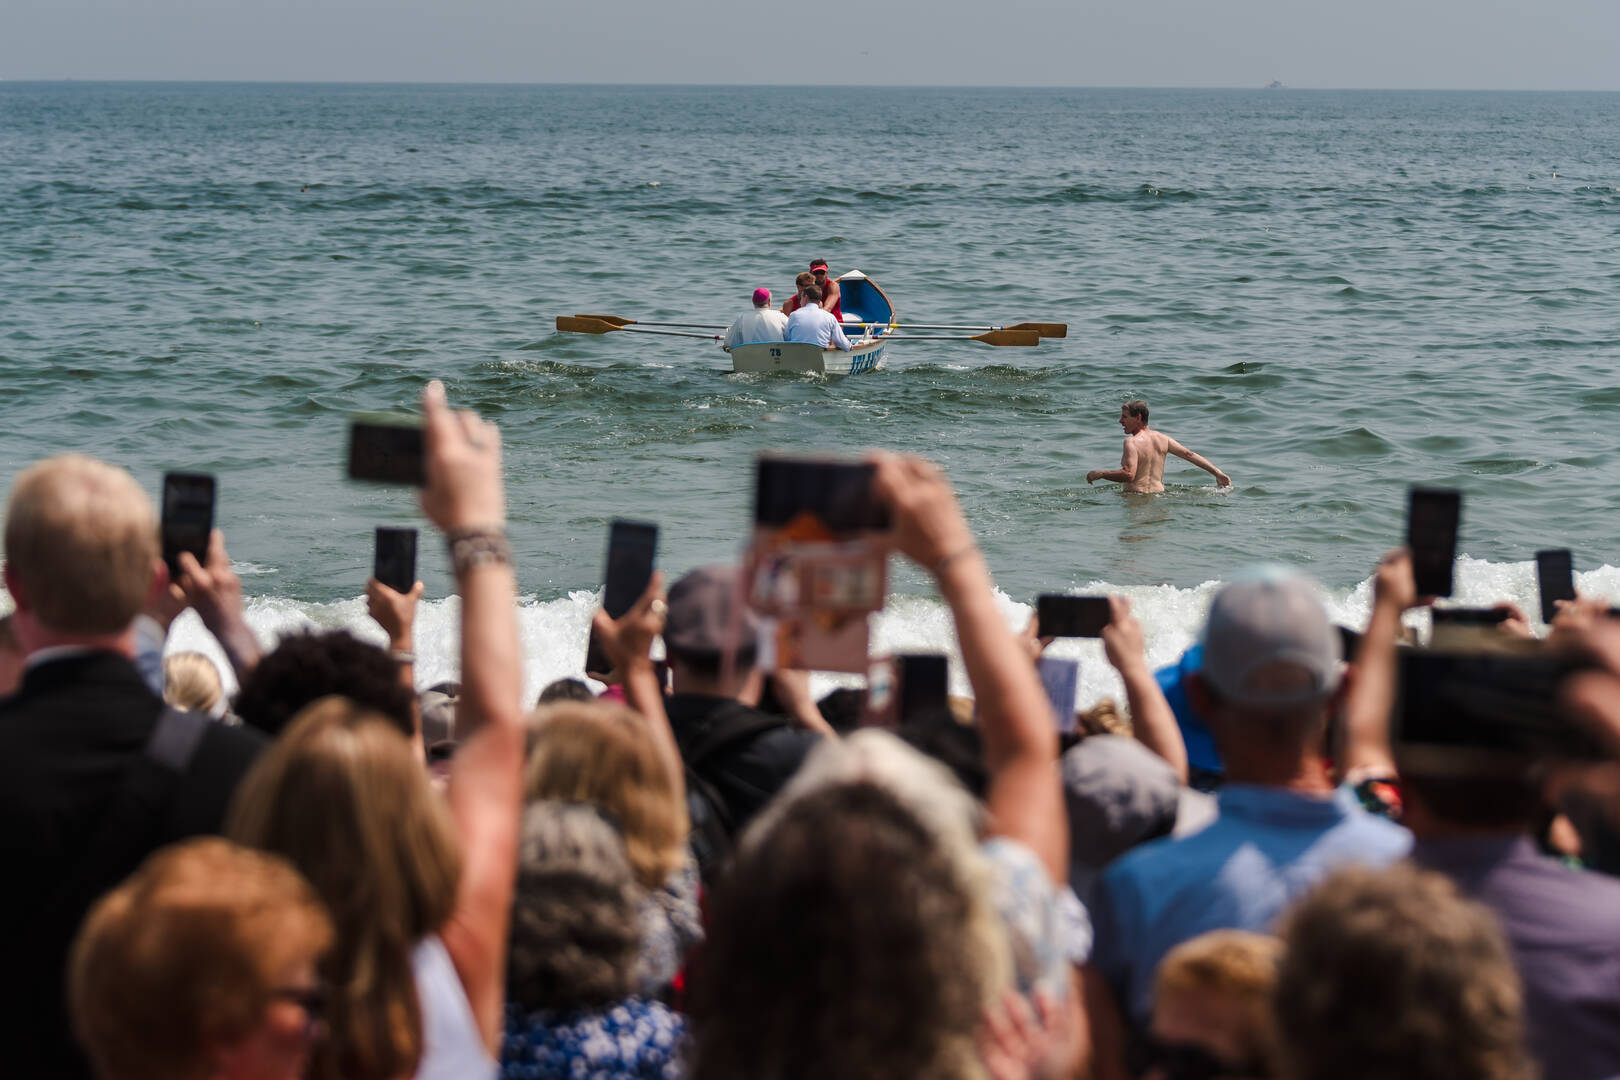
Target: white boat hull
(803,356)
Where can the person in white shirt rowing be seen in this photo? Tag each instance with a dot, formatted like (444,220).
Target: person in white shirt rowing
(814,324)
(760,324)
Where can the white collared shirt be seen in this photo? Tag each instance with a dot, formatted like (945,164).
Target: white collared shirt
(760,324)
(816,325)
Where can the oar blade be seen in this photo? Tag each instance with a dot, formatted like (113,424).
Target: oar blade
(616,320)
(1009,337)
(1044,329)
(577,325)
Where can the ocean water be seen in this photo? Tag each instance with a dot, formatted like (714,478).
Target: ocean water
(1329,294)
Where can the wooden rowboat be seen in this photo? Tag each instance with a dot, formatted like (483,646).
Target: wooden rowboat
(867,315)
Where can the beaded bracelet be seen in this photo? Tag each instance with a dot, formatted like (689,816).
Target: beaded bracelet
(470,548)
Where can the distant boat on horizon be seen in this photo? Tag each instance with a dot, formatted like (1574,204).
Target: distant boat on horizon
(1275,84)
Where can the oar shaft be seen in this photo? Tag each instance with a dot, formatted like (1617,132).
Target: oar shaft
(618,320)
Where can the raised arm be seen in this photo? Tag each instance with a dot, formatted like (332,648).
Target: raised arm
(1153,722)
(628,641)
(1370,698)
(1221,479)
(1126,473)
(214,590)
(1015,719)
(466,498)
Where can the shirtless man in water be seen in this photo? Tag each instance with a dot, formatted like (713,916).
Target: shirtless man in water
(1141,468)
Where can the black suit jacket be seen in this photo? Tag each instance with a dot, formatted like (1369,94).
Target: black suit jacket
(67,737)
(748,772)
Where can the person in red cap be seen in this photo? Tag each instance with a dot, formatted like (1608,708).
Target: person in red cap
(760,324)
(830,295)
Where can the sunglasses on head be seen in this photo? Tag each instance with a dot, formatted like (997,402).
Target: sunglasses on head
(1188,1061)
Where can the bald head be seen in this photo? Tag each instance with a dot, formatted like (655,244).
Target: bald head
(81,545)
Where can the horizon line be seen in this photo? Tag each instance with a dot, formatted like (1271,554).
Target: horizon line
(60,80)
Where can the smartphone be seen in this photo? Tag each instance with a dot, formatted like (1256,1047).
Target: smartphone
(1057,615)
(394,563)
(386,448)
(1431,532)
(1060,678)
(923,685)
(188,517)
(838,494)
(1480,714)
(1555,572)
(632,549)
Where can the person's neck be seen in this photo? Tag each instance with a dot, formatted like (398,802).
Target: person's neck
(686,682)
(1416,817)
(1304,773)
(122,643)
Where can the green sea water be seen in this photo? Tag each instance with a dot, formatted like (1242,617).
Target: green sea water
(1329,294)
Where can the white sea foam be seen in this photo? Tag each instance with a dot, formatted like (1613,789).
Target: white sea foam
(554,631)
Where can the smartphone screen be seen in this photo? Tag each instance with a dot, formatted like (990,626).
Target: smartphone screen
(631,551)
(1060,678)
(1555,571)
(188,517)
(924,680)
(1431,533)
(1057,615)
(394,563)
(836,493)
(1465,713)
(386,448)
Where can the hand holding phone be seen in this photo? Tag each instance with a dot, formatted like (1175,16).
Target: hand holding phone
(1555,574)
(394,560)
(1059,615)
(632,550)
(188,517)
(1431,533)
(386,448)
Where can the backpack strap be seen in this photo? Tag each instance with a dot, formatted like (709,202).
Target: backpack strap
(129,826)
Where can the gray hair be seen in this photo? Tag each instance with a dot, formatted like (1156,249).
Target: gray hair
(575,927)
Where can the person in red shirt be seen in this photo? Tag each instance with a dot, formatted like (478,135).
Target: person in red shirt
(796,301)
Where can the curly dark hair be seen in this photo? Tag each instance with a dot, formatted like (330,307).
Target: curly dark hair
(576,933)
(310,665)
(837,949)
(1390,973)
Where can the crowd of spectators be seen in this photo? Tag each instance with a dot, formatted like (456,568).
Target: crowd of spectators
(705,872)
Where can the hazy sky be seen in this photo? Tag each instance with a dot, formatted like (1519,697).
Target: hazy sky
(1458,44)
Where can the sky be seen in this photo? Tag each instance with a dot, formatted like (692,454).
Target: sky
(1391,44)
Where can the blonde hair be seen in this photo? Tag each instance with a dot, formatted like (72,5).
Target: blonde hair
(941,805)
(342,796)
(82,539)
(1236,967)
(184,957)
(1392,973)
(605,755)
(856,935)
(191,682)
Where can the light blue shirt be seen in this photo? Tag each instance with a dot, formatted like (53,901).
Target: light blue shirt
(1265,850)
(816,326)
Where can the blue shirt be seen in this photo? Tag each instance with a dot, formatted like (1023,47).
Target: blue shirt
(1201,753)
(1266,849)
(1564,928)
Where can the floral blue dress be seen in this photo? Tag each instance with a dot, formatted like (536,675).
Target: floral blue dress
(631,1040)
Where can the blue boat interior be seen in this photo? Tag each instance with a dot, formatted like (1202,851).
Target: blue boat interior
(860,300)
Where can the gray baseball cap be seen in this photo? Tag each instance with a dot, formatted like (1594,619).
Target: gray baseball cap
(1118,794)
(1268,642)
(704,619)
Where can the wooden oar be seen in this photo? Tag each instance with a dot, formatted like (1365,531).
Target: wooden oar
(994,337)
(577,325)
(618,320)
(1042,329)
